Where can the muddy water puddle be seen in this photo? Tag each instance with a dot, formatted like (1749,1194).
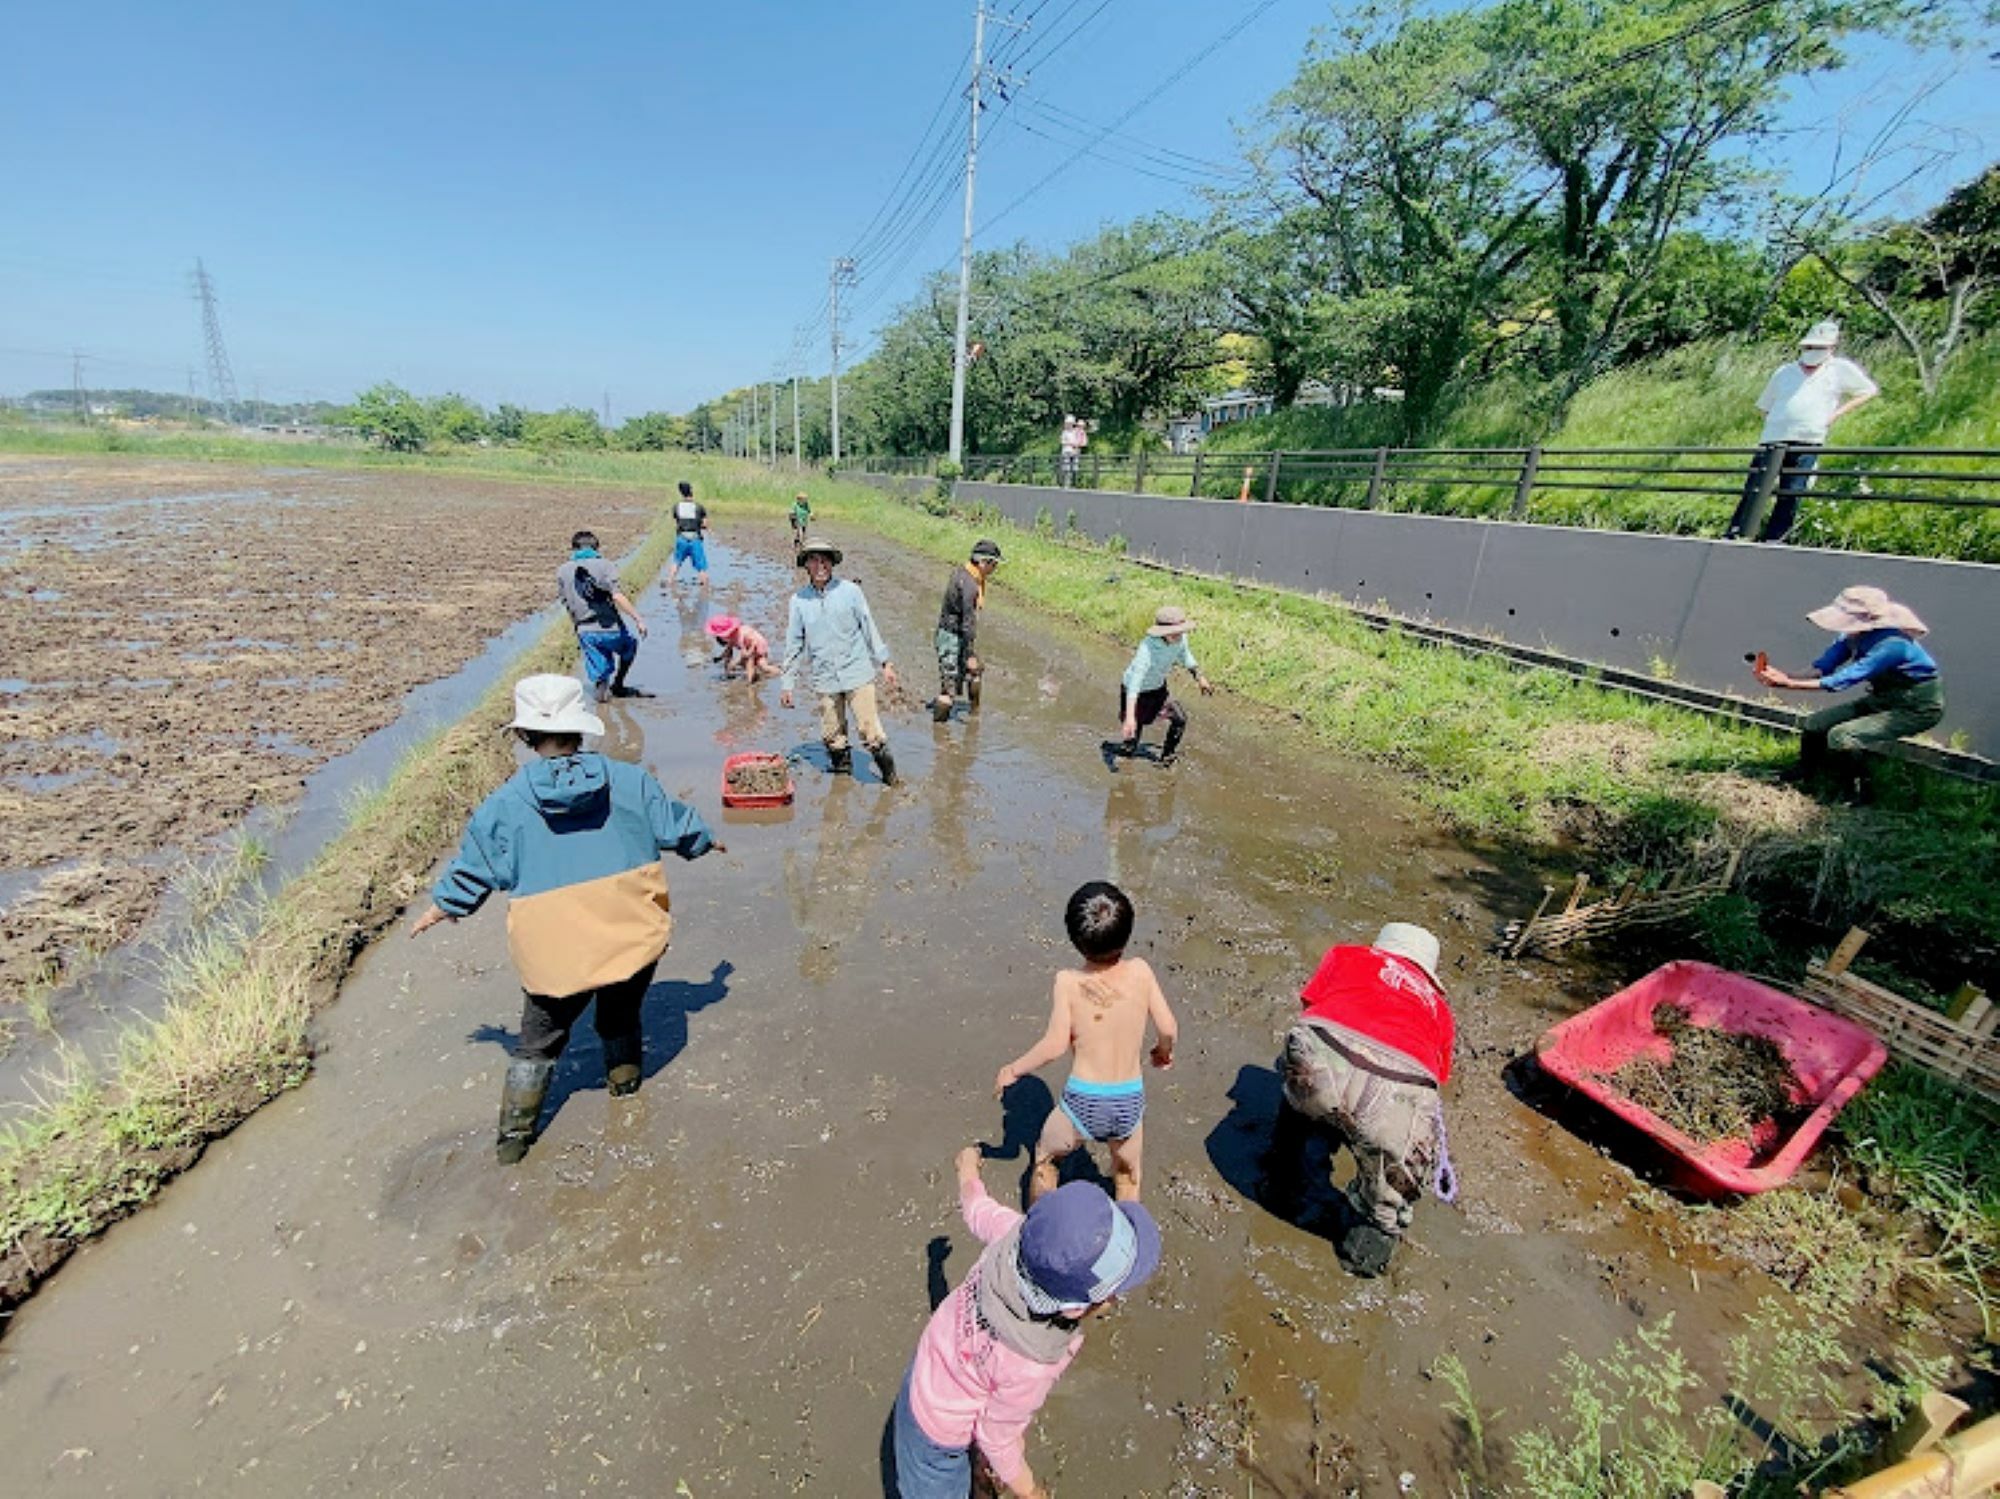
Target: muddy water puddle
(718,1283)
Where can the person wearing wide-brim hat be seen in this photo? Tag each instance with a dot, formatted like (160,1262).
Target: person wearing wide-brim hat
(1878,649)
(1142,692)
(959,669)
(575,840)
(1368,1059)
(829,619)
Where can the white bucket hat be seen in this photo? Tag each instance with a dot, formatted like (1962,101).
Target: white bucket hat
(549,704)
(1407,940)
(1821,335)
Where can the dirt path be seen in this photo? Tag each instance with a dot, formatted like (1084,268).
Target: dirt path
(718,1283)
(186,643)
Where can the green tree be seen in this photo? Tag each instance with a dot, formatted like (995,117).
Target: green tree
(390,417)
(655,432)
(452,418)
(509,422)
(571,427)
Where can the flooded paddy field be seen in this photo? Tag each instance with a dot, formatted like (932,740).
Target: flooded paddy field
(183,645)
(713,1288)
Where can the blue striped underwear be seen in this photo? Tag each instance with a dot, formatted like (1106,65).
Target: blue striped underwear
(1105,1111)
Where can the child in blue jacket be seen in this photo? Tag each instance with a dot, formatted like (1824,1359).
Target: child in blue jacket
(576,840)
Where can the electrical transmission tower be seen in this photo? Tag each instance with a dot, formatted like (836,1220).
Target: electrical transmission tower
(221,379)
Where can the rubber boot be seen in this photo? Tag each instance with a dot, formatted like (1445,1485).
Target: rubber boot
(1365,1249)
(940,709)
(621,1065)
(972,690)
(1811,761)
(842,761)
(885,763)
(520,1106)
(1173,743)
(603,692)
(1130,747)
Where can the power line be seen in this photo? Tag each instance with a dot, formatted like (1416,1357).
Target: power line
(1228,35)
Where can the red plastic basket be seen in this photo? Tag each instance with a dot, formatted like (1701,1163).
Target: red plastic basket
(1831,1057)
(738,799)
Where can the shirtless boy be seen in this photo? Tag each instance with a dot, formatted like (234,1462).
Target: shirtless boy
(1099,1014)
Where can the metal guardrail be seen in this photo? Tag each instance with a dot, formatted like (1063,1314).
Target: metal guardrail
(1497,482)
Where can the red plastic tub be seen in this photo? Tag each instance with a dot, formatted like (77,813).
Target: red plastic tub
(1831,1057)
(737,799)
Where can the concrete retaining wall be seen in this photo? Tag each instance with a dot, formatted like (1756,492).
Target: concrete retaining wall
(1693,607)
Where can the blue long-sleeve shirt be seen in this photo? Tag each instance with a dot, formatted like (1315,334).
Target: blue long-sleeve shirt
(1156,657)
(839,633)
(1871,656)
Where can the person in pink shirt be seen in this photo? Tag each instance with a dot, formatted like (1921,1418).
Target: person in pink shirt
(742,646)
(999,1342)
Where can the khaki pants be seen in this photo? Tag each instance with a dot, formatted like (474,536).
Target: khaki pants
(833,708)
(1390,1125)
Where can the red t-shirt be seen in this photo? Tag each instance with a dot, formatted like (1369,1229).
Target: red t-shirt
(1387,998)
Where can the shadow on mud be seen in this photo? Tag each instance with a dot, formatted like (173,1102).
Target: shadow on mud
(663,1019)
(1291,1179)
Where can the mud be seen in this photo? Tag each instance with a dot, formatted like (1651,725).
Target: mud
(760,778)
(183,645)
(713,1288)
(1716,1084)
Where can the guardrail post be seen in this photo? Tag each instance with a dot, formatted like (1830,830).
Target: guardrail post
(1139,473)
(1194,484)
(1767,486)
(1525,488)
(1271,480)
(1375,478)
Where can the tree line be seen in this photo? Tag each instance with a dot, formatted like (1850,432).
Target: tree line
(1539,189)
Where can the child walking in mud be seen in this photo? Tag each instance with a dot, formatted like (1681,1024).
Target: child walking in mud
(1099,1014)
(576,840)
(1142,691)
(999,1342)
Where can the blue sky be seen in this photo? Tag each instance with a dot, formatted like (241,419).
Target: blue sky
(545,203)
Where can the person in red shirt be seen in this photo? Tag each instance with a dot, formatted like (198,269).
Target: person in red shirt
(1367,1059)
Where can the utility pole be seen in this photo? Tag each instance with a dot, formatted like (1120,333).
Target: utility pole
(76,387)
(842,274)
(956,445)
(221,378)
(798,460)
(194,406)
(607,410)
(756,429)
(772,405)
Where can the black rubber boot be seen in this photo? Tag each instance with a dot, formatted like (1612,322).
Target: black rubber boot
(940,709)
(1173,743)
(972,690)
(885,763)
(1365,1249)
(520,1106)
(842,761)
(1129,747)
(621,1065)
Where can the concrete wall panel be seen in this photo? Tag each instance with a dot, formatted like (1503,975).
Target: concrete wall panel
(1422,566)
(1292,546)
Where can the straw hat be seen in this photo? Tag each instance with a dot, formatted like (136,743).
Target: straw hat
(1864,608)
(1170,621)
(549,704)
(1407,940)
(825,549)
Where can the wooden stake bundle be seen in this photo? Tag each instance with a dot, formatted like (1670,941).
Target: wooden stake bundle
(1959,1043)
(1631,904)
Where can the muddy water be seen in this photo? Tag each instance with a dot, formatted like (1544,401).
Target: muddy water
(713,1288)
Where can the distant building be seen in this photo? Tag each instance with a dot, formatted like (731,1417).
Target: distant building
(1184,433)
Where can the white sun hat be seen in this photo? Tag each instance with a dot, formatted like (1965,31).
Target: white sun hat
(1821,335)
(1408,940)
(549,704)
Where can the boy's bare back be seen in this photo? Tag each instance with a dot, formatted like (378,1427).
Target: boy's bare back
(1108,1008)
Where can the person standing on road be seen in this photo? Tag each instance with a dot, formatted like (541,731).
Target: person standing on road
(588,586)
(997,1345)
(1367,1060)
(576,840)
(690,534)
(1142,692)
(1801,402)
(1877,649)
(829,620)
(958,623)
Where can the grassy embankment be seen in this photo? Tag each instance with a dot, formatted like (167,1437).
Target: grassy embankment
(242,992)
(1703,395)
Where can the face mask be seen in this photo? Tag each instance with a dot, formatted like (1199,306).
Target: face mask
(1812,359)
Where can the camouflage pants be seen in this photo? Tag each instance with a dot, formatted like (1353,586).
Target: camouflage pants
(954,675)
(1389,1122)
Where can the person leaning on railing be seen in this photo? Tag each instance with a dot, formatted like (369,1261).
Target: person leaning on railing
(1878,647)
(1801,402)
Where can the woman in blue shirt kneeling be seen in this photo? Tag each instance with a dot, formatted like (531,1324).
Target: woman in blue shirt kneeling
(1878,647)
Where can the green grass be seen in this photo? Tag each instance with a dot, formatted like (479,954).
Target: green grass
(1703,395)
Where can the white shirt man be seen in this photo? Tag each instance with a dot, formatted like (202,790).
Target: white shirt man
(1801,402)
